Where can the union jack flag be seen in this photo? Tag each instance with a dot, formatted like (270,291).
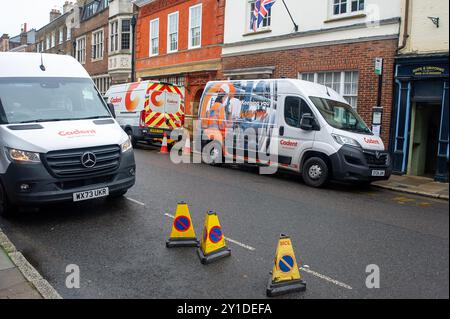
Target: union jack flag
(262,8)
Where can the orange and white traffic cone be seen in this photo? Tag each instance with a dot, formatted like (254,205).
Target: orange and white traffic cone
(164,149)
(187,147)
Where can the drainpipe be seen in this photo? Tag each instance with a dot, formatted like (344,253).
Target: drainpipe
(405,26)
(133,49)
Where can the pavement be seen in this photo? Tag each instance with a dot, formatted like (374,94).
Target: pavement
(417,185)
(13,284)
(337,232)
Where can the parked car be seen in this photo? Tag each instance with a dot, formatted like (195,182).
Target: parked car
(58,139)
(309,128)
(148,109)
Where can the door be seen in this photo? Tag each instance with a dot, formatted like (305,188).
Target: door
(292,140)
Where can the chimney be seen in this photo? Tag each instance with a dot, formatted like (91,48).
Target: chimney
(54,14)
(67,6)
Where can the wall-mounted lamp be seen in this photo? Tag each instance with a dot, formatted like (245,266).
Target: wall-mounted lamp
(435,21)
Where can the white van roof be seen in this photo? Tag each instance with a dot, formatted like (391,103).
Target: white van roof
(20,64)
(294,86)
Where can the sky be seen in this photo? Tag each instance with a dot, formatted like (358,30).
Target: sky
(14,13)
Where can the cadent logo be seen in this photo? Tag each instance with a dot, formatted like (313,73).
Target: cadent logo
(77,133)
(288,143)
(371,141)
(116,100)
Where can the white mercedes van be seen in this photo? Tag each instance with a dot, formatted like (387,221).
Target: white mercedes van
(59,140)
(309,128)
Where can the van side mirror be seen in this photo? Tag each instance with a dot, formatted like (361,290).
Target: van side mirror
(308,122)
(112,110)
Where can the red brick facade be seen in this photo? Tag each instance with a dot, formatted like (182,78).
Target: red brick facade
(194,66)
(338,57)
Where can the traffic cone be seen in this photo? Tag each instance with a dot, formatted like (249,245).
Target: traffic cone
(183,234)
(187,146)
(285,275)
(212,246)
(164,149)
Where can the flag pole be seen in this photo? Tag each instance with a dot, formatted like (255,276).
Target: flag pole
(290,15)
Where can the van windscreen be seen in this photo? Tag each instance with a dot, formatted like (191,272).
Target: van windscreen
(30,100)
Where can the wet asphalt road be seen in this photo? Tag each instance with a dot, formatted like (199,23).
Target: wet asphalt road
(120,245)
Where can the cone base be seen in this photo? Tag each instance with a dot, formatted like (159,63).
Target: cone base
(182,242)
(283,288)
(214,256)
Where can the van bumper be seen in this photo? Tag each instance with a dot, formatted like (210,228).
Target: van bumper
(46,189)
(351,164)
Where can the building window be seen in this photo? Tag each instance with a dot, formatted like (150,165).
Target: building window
(81,50)
(345,83)
(68,34)
(172,43)
(97,45)
(266,22)
(53,39)
(47,43)
(61,36)
(126,35)
(154,37)
(114,36)
(102,83)
(195,26)
(347,6)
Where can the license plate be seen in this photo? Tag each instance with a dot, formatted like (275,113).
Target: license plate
(156,131)
(96,193)
(378,173)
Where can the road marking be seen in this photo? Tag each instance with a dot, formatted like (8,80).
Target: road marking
(326,278)
(226,238)
(135,201)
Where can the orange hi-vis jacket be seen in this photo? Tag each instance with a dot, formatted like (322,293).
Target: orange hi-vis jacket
(216,116)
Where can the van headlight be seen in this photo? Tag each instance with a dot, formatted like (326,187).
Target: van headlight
(344,140)
(20,156)
(126,146)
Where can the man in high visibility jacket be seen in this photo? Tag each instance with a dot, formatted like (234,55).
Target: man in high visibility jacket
(216,114)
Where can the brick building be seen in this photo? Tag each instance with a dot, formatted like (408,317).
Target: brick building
(334,43)
(19,43)
(180,42)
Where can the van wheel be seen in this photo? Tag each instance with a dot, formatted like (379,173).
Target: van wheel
(132,138)
(315,172)
(212,154)
(6,209)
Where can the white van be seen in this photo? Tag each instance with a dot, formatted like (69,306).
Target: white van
(58,138)
(310,128)
(147,109)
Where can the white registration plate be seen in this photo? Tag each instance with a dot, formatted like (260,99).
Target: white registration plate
(96,193)
(378,173)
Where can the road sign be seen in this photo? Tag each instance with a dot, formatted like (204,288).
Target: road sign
(215,234)
(286,263)
(182,223)
(378,66)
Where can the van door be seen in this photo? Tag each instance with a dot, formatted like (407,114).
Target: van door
(293,140)
(172,109)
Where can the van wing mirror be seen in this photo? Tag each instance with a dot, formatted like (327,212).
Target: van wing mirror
(112,110)
(308,122)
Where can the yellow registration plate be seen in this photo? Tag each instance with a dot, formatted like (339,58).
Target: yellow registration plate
(154,130)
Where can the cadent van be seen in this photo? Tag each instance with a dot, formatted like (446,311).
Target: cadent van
(309,128)
(59,141)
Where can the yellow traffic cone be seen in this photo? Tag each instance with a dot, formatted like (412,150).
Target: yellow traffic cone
(212,246)
(183,234)
(285,275)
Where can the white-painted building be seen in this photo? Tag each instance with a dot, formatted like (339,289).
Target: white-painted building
(333,42)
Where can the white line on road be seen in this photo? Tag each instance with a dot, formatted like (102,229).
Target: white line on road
(326,278)
(135,201)
(228,239)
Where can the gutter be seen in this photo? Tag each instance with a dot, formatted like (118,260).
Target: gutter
(405,30)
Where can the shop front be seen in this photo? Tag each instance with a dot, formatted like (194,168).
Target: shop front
(420,121)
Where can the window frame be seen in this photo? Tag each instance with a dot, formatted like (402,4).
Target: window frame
(190,37)
(348,7)
(77,50)
(114,37)
(121,35)
(302,100)
(94,46)
(151,54)
(248,28)
(176,13)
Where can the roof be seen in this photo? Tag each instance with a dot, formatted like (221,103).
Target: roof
(28,65)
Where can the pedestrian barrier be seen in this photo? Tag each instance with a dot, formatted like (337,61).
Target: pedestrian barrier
(164,148)
(285,275)
(183,234)
(212,245)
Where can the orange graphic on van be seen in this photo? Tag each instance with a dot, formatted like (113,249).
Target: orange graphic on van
(154,99)
(131,104)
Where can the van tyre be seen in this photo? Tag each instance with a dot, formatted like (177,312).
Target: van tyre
(6,209)
(315,172)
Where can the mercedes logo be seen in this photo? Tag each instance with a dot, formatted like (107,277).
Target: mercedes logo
(88,159)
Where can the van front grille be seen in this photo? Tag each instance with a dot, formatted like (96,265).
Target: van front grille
(377,159)
(68,163)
